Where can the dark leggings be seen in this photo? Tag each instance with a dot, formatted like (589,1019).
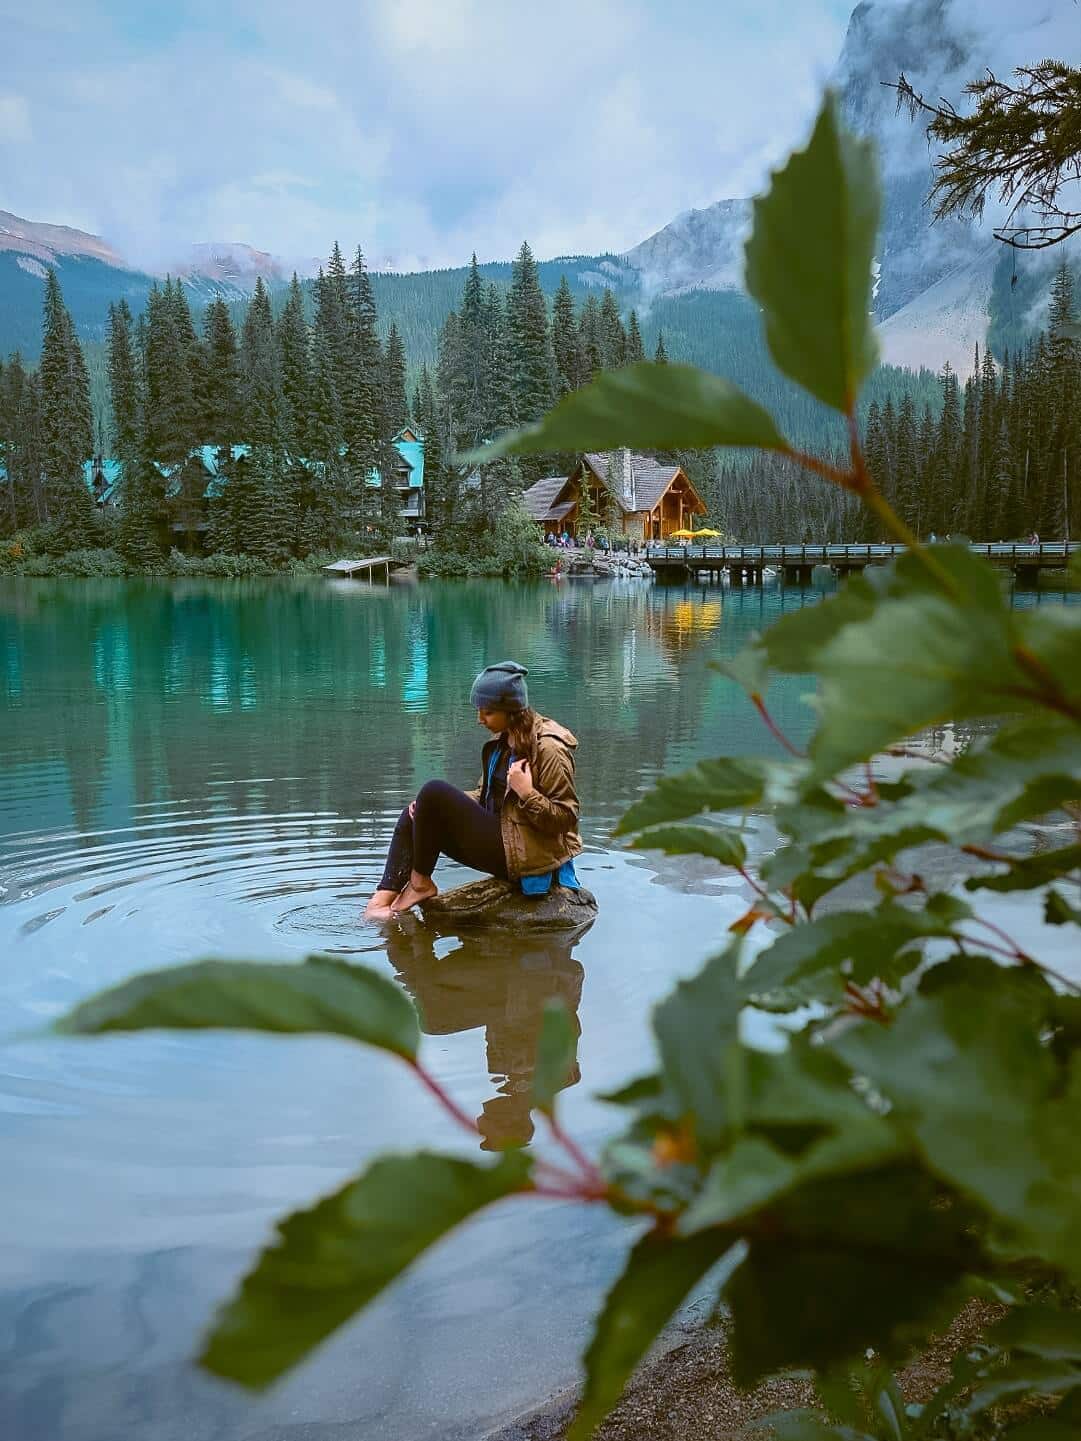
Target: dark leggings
(446,822)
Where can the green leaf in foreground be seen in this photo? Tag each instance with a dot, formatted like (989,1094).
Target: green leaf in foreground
(1040,1331)
(658,1276)
(652,407)
(867,944)
(556,1049)
(809,261)
(1059,912)
(322,996)
(805,1425)
(1030,872)
(846,1263)
(697,1029)
(722,845)
(728,783)
(330,1261)
(1045,1428)
(970,1076)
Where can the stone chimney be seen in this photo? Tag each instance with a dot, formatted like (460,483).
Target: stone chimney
(626,478)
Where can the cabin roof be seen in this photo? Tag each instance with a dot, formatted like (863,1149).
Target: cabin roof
(650,484)
(111,472)
(650,479)
(409,444)
(541,495)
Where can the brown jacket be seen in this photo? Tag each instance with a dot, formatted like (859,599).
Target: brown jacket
(541,831)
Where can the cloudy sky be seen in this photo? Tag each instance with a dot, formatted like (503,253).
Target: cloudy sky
(421,129)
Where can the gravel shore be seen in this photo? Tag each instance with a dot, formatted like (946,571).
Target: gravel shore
(685,1393)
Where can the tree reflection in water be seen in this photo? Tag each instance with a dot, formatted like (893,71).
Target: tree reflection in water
(503,984)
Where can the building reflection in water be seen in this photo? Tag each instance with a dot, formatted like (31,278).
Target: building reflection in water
(500,983)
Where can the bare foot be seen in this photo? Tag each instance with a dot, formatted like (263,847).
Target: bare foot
(420,888)
(379,907)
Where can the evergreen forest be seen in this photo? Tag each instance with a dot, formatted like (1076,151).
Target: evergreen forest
(997,458)
(267,433)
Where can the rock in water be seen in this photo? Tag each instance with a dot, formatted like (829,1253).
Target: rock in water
(501,906)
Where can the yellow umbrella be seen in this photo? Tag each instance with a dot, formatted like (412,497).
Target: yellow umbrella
(711,534)
(680,534)
(694,534)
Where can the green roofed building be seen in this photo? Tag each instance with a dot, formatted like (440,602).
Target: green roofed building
(102,478)
(408,476)
(200,477)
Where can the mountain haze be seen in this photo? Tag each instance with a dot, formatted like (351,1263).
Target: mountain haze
(934,294)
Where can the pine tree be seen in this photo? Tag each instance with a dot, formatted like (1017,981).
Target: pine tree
(142,486)
(966,498)
(530,343)
(874,446)
(296,369)
(635,351)
(565,347)
(18,424)
(333,321)
(613,336)
(998,494)
(362,416)
(889,448)
(988,436)
(123,384)
(322,500)
(497,399)
(435,477)
(1064,383)
(499,412)
(395,403)
(941,501)
(445,501)
(467,378)
(906,463)
(191,363)
(266,419)
(325,438)
(590,357)
(1044,485)
(67,432)
(222,421)
(167,409)
(925,451)
(660,355)
(271,526)
(142,513)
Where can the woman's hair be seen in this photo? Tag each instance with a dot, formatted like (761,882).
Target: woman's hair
(520,727)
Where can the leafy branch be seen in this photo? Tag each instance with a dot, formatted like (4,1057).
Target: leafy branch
(1021,140)
(916,1141)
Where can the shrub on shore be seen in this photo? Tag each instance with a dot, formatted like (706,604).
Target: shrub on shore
(510,546)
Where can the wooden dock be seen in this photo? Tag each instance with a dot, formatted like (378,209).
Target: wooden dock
(746,563)
(351,568)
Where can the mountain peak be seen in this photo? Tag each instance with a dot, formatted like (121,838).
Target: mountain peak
(45,242)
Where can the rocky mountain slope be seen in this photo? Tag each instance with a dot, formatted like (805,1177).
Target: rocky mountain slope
(934,280)
(934,284)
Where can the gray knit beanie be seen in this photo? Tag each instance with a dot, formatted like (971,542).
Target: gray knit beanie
(500,687)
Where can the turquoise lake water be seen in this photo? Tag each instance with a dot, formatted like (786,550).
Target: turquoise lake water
(204,768)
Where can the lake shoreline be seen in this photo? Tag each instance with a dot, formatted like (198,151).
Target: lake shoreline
(684,1391)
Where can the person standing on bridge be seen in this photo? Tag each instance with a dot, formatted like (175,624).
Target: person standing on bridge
(519,823)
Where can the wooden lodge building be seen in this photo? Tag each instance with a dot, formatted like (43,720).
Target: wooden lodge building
(633,495)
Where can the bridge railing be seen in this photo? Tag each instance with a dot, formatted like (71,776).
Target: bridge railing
(783,554)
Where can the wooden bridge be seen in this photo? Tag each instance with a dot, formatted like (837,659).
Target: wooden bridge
(746,563)
(350,568)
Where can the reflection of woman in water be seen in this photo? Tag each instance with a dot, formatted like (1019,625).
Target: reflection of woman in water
(520,820)
(502,984)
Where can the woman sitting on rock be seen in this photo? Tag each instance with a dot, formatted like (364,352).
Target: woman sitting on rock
(520,821)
